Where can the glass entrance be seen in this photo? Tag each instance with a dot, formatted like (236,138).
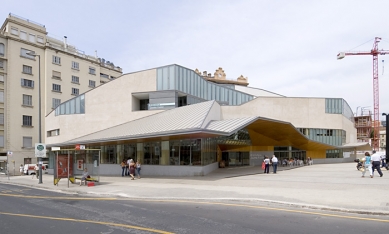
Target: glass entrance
(236,158)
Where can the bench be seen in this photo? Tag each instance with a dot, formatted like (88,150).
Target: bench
(90,179)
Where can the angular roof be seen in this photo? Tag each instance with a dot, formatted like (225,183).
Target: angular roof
(199,120)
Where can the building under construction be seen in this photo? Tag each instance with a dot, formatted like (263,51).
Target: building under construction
(365,125)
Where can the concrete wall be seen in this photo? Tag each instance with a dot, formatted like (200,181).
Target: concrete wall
(256,92)
(256,157)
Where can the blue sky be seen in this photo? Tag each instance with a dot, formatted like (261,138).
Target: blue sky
(287,47)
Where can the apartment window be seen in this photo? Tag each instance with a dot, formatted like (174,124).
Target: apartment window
(104,75)
(23,35)
(2,141)
(1,78)
(53,133)
(56,87)
(92,70)
(2,49)
(75,91)
(56,102)
(23,53)
(92,83)
(27,83)
(27,69)
(1,96)
(27,100)
(39,39)
(56,60)
(27,120)
(56,75)
(31,38)
(1,64)
(14,31)
(75,65)
(2,118)
(27,142)
(75,79)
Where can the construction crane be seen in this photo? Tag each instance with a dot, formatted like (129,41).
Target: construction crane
(375,52)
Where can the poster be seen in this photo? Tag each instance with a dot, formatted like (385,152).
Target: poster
(80,165)
(62,166)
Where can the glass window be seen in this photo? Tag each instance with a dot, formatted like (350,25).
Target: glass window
(31,38)
(92,70)
(27,100)
(75,91)
(2,66)
(56,60)
(27,69)
(40,39)
(14,31)
(2,49)
(25,53)
(56,88)
(1,96)
(27,142)
(2,118)
(56,102)
(92,83)
(23,35)
(27,83)
(27,120)
(75,65)
(75,79)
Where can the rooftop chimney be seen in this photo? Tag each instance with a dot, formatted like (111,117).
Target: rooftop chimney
(65,43)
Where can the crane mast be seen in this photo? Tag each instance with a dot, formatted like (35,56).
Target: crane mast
(374,52)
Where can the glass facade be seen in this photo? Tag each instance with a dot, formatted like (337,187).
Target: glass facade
(336,137)
(339,106)
(175,77)
(334,153)
(73,106)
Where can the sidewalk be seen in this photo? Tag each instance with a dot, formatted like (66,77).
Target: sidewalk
(324,186)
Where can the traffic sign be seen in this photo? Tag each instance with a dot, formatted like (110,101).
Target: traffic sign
(40,150)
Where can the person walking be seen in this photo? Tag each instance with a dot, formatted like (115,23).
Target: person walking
(367,165)
(36,171)
(383,159)
(376,160)
(267,164)
(123,165)
(138,168)
(132,169)
(21,168)
(274,160)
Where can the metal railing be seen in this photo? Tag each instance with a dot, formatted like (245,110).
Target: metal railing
(30,21)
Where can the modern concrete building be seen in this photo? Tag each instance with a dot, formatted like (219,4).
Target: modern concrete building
(34,67)
(178,122)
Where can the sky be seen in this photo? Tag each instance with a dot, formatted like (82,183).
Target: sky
(287,47)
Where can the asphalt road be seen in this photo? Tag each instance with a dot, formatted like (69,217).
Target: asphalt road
(28,210)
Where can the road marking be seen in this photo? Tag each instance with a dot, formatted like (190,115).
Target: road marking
(198,202)
(90,221)
(268,208)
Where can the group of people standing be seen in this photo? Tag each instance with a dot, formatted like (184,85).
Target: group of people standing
(267,162)
(129,167)
(371,163)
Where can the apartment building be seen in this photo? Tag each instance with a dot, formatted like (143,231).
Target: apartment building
(36,68)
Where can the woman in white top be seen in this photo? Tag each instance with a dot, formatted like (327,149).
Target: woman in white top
(267,164)
(21,168)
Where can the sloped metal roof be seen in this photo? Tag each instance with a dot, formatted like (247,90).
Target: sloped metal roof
(230,125)
(173,121)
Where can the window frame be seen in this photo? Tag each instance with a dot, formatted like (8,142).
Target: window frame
(75,91)
(92,70)
(56,88)
(27,121)
(26,83)
(54,102)
(27,100)
(56,60)
(27,69)
(75,65)
(27,139)
(75,79)
(92,82)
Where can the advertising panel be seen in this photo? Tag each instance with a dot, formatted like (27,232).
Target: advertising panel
(62,166)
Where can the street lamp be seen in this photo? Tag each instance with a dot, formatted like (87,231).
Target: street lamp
(32,53)
(387,139)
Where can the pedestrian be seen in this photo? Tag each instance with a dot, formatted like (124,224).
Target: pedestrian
(123,165)
(132,169)
(128,166)
(367,165)
(267,164)
(274,160)
(36,168)
(138,168)
(84,176)
(383,158)
(21,168)
(376,160)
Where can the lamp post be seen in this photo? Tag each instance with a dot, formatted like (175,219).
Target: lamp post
(386,136)
(31,53)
